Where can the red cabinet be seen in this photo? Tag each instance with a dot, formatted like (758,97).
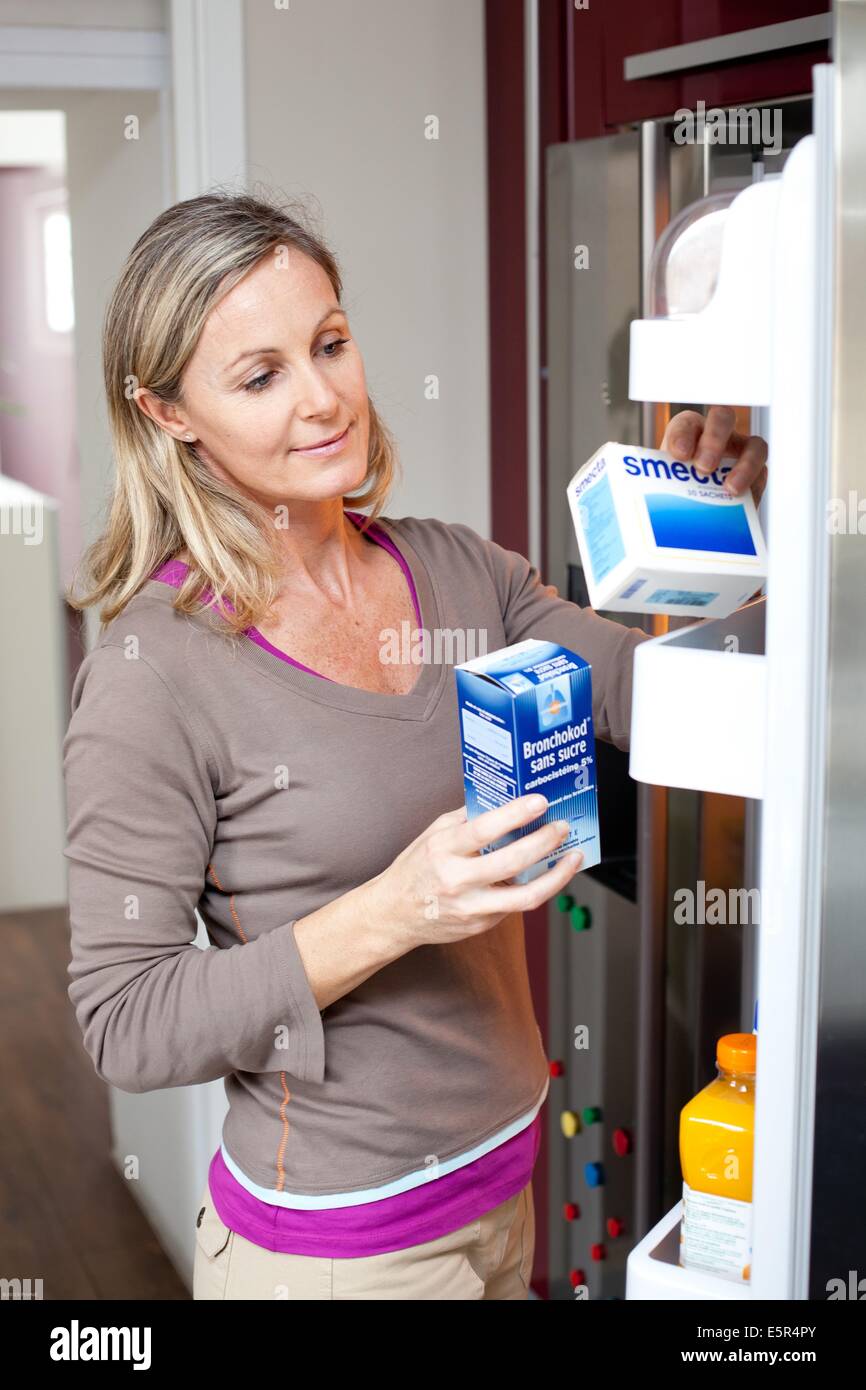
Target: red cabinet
(598,97)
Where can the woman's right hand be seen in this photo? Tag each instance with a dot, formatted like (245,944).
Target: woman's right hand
(441,888)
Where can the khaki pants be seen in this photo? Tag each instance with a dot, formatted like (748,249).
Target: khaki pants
(488,1258)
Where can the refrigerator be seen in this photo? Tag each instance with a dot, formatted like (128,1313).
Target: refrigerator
(682,273)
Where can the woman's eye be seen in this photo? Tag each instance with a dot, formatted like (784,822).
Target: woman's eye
(259,383)
(263,380)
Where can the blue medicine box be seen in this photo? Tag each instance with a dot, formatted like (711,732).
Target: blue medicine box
(526,726)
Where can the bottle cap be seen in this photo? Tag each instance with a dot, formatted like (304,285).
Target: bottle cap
(737,1052)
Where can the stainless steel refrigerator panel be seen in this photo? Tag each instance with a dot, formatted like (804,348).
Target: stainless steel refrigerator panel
(593,202)
(838,1225)
(592,1025)
(592,294)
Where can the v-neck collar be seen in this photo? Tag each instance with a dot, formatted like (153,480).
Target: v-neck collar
(418,703)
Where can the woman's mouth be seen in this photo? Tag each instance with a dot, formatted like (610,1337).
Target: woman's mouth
(331,446)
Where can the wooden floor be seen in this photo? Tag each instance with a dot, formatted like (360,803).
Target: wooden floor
(66,1215)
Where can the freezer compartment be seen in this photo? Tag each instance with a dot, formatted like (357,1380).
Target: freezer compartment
(653,1272)
(699,706)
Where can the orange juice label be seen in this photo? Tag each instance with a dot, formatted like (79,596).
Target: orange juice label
(716,1235)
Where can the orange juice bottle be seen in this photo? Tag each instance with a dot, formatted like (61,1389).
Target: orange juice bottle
(717,1129)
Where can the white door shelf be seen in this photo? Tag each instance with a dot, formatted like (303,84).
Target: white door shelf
(699,706)
(653,1271)
(701,357)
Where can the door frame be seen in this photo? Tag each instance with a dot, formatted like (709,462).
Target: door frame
(196,65)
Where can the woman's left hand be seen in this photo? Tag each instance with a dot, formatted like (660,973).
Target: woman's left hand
(707,439)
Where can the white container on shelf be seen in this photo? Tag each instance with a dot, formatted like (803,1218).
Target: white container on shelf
(722,353)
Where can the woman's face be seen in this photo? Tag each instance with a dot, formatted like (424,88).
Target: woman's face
(275,372)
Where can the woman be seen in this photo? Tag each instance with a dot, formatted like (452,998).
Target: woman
(243,742)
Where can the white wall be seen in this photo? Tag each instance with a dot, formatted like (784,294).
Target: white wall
(115,190)
(337,97)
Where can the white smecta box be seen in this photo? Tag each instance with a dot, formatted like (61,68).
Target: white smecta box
(657,536)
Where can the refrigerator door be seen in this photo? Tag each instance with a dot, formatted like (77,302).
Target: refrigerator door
(833,1236)
(655,994)
(800,307)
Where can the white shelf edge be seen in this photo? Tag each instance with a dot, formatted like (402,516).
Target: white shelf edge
(652,1271)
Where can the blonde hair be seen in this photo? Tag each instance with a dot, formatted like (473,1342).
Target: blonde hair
(165,497)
